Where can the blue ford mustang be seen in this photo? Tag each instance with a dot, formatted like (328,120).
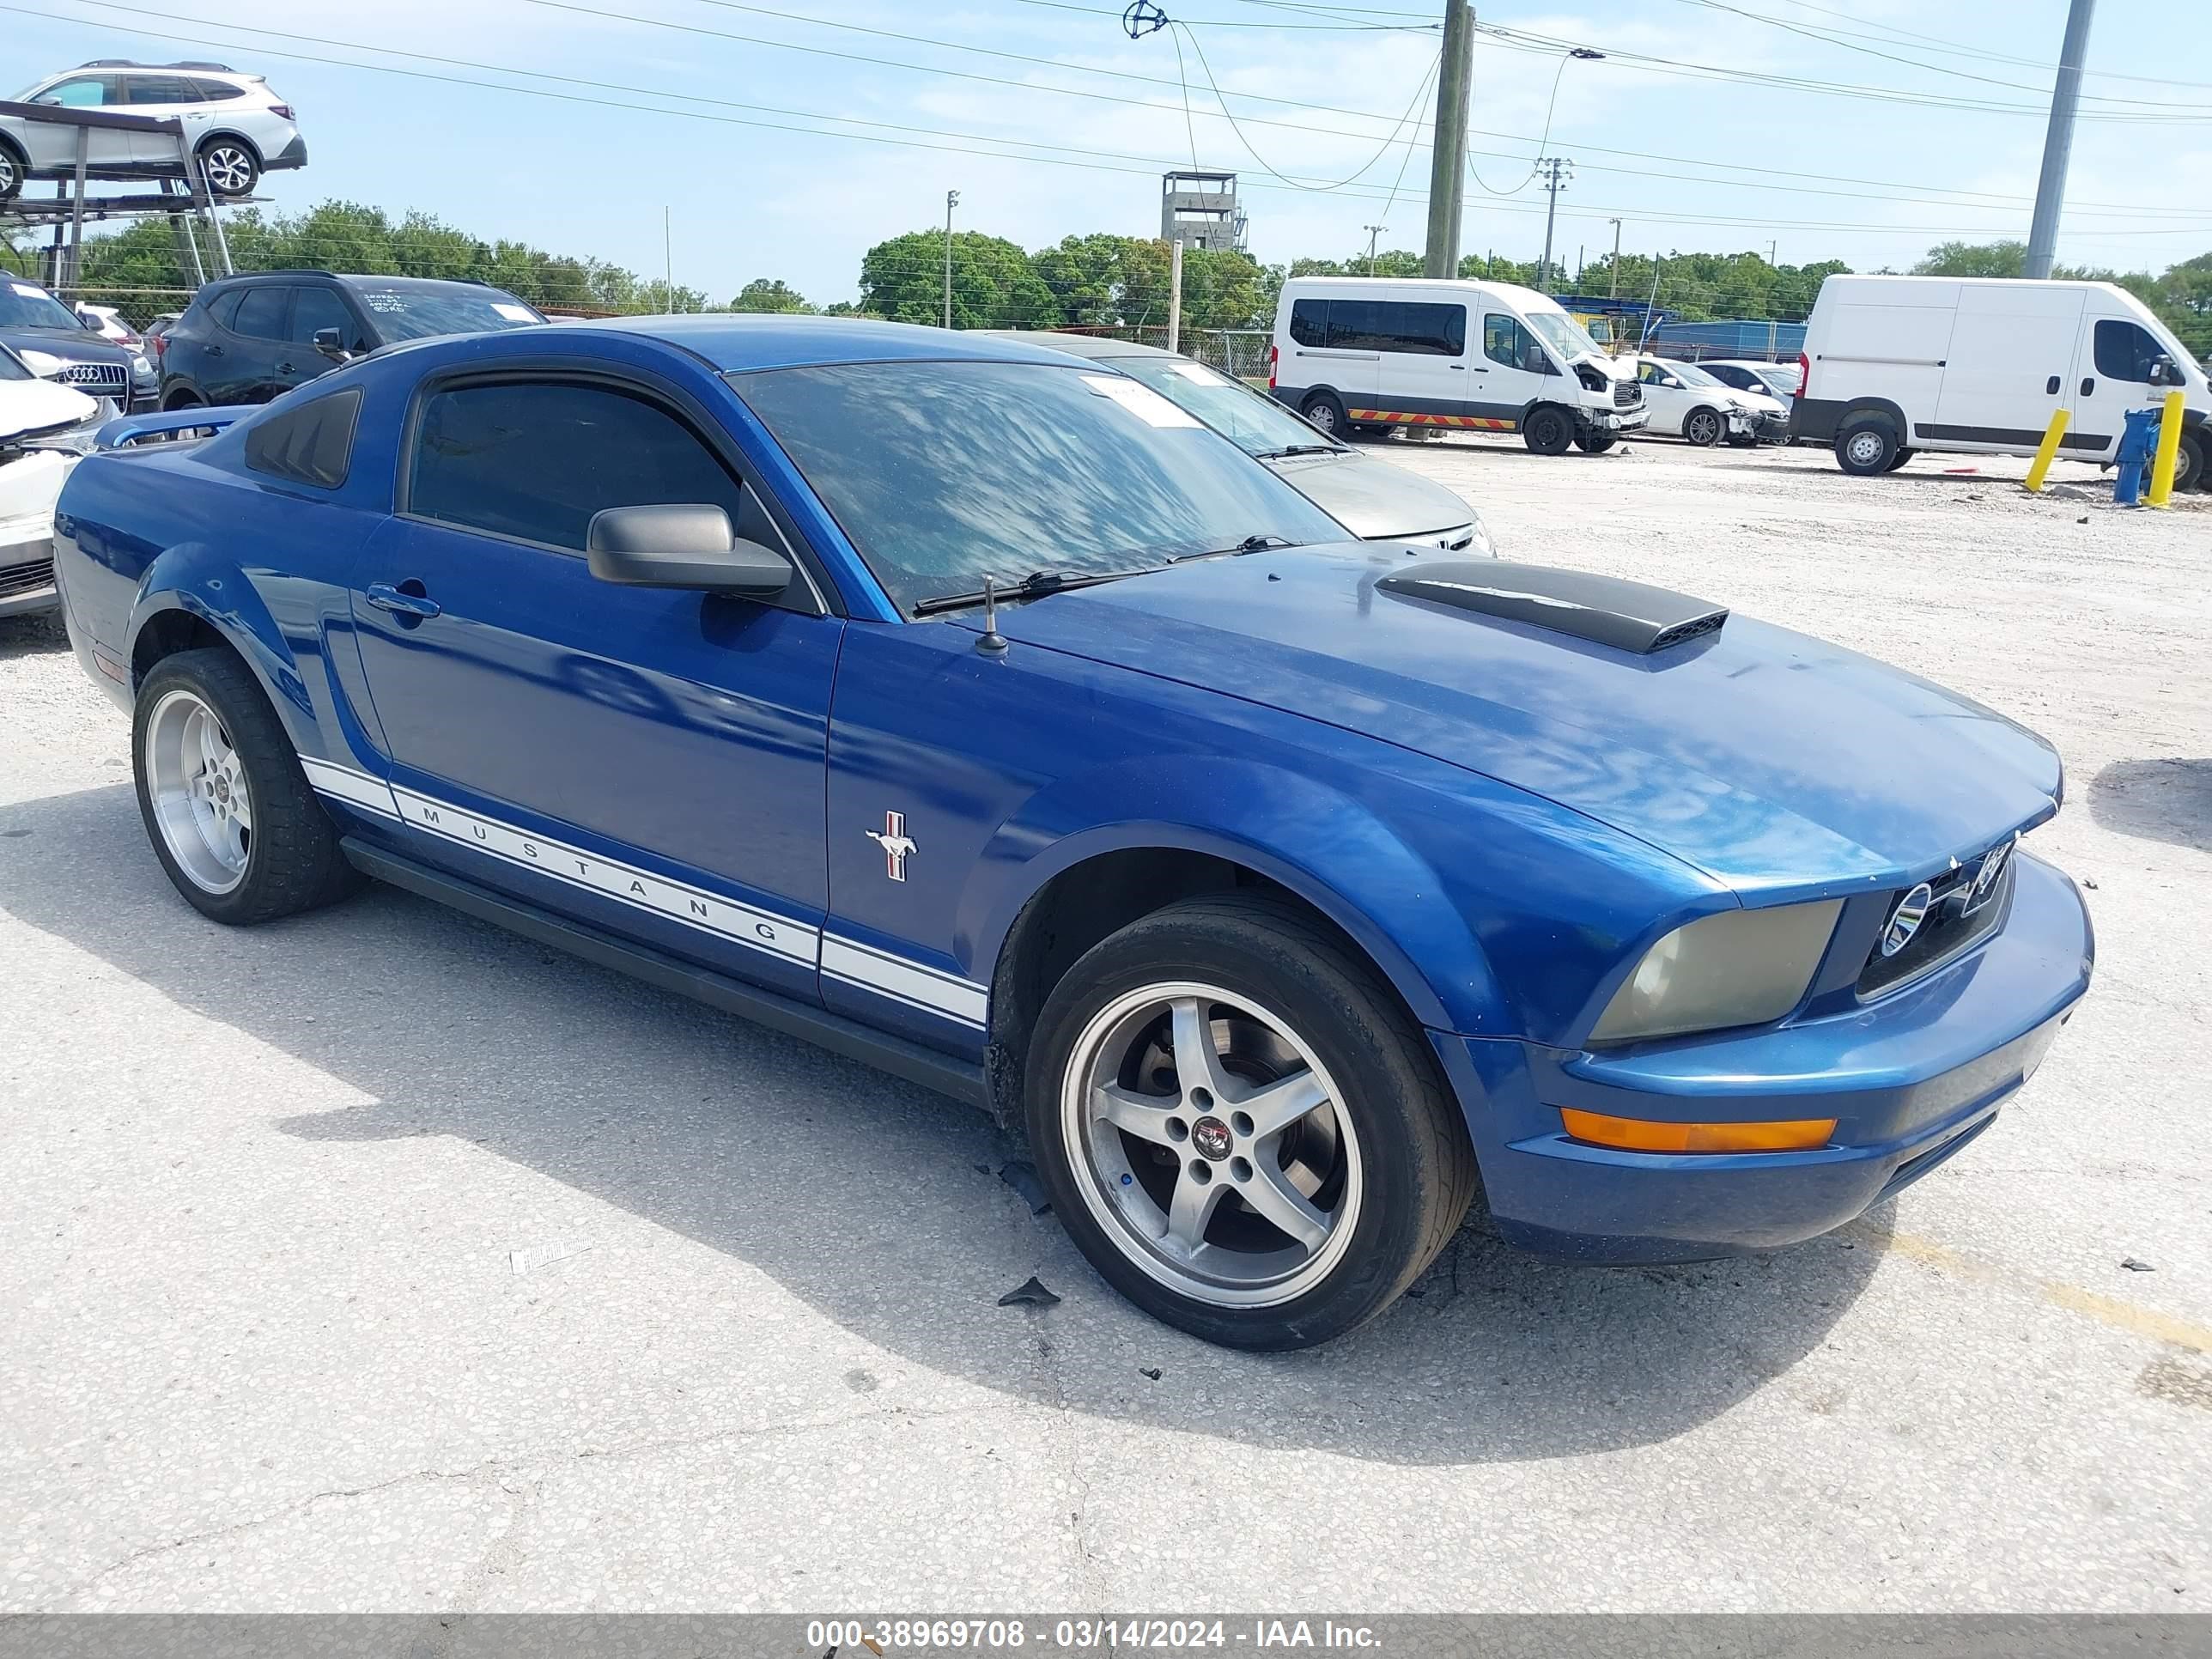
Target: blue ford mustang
(961,706)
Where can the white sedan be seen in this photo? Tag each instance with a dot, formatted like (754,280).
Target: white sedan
(36,420)
(1686,401)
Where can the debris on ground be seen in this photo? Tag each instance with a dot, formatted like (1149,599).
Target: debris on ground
(543,1255)
(1023,1179)
(1029,1293)
(1152,1371)
(2135,1267)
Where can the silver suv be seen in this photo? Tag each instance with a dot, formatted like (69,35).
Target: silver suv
(234,125)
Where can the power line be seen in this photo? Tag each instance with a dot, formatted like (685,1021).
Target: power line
(1960,49)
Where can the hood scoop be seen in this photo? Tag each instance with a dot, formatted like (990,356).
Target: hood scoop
(1630,616)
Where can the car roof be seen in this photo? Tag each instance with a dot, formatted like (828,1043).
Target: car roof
(1097,347)
(734,340)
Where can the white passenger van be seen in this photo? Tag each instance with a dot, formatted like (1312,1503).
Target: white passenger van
(1896,364)
(1369,351)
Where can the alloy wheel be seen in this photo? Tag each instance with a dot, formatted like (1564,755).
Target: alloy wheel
(197,782)
(1210,1144)
(229,170)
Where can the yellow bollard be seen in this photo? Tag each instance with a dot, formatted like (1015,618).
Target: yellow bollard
(2169,447)
(2045,450)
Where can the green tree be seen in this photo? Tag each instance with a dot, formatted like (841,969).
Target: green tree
(993,283)
(769,294)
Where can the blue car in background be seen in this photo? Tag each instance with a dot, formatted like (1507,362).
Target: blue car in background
(968,709)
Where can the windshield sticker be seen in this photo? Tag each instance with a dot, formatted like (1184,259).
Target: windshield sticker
(1141,401)
(390,303)
(28,291)
(1198,371)
(514,313)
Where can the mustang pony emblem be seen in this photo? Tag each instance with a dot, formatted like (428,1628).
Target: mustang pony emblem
(896,844)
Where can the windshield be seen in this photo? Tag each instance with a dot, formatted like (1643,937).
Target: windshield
(414,313)
(1256,425)
(944,473)
(1563,334)
(1689,373)
(24,305)
(11,367)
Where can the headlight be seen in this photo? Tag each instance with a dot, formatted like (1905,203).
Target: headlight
(1733,968)
(41,363)
(1478,544)
(140,368)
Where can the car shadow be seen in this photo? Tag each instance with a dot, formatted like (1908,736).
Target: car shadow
(880,1205)
(2168,800)
(38,635)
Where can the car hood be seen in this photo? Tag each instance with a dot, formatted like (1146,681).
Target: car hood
(80,345)
(1775,763)
(33,407)
(1371,498)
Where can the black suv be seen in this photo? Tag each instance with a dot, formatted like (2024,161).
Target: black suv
(247,339)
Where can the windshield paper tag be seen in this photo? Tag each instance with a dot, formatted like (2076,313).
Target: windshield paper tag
(1198,371)
(513,313)
(1141,401)
(28,291)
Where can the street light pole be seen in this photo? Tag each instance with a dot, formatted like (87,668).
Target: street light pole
(1373,231)
(1614,294)
(2058,141)
(952,201)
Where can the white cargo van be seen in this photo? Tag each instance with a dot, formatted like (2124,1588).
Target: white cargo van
(1896,364)
(1370,351)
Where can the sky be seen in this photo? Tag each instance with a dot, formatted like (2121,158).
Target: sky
(780,150)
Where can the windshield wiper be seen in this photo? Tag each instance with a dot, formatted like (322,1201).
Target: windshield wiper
(1034,586)
(1249,544)
(1299,449)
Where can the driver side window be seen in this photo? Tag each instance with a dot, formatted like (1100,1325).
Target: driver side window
(1506,341)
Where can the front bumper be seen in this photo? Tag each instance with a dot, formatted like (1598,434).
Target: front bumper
(26,577)
(1617,420)
(28,487)
(1910,1079)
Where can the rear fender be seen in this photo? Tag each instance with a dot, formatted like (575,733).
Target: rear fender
(193,578)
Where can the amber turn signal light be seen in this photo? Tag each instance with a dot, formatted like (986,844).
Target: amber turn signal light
(1636,1135)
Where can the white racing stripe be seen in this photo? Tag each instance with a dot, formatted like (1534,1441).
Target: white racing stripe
(848,961)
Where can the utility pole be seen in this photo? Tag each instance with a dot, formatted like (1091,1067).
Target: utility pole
(667,265)
(952,201)
(1555,167)
(1448,141)
(2058,141)
(1613,292)
(1174,295)
(1373,231)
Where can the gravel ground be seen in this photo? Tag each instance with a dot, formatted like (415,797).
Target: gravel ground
(380,1261)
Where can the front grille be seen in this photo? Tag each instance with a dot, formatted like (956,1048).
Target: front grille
(1626,394)
(17,580)
(1950,926)
(110,378)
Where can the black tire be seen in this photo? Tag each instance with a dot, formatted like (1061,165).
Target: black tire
(1416,1172)
(291,861)
(1898,460)
(184,397)
(229,166)
(1743,440)
(2189,462)
(1595,442)
(1702,428)
(1866,445)
(1325,409)
(1548,431)
(15,171)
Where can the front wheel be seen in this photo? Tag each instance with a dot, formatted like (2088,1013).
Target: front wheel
(2189,462)
(1241,1127)
(1595,442)
(1866,446)
(232,819)
(1702,427)
(1548,431)
(1898,460)
(13,172)
(230,168)
(1325,409)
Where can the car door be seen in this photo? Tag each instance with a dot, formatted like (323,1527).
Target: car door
(1666,398)
(315,307)
(2005,371)
(1422,364)
(2111,375)
(1321,358)
(650,759)
(162,97)
(1515,369)
(246,359)
(53,143)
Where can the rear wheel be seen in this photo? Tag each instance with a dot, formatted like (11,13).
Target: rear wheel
(1241,1126)
(1547,431)
(14,170)
(1702,427)
(230,168)
(231,817)
(1326,411)
(1867,446)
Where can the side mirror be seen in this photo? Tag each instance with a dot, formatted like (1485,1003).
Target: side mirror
(681,544)
(2164,372)
(331,342)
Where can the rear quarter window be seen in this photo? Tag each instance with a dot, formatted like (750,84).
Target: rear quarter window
(312,444)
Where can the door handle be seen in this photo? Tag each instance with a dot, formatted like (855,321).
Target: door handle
(284,368)
(2088,385)
(402,602)
(1460,366)
(2051,387)
(214,351)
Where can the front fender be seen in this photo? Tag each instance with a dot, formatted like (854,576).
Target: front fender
(1328,848)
